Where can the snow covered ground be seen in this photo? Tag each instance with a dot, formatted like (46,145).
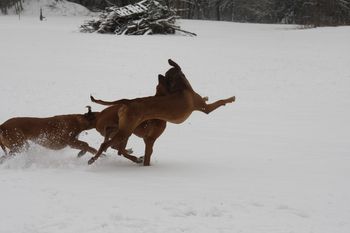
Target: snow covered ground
(275,161)
(51,8)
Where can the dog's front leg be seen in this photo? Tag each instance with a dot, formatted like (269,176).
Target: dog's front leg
(149,142)
(83,146)
(208,108)
(104,146)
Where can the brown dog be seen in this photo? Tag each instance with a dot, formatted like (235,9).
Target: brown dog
(53,132)
(108,124)
(175,107)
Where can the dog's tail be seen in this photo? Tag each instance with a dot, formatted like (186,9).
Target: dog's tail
(108,103)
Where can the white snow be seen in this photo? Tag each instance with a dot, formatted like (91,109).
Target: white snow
(275,161)
(51,8)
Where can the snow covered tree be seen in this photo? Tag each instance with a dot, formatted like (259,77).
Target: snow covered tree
(310,12)
(327,12)
(6,4)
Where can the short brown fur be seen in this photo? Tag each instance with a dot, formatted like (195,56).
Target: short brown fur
(54,133)
(175,107)
(107,125)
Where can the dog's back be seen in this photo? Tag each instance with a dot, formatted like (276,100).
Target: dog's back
(32,127)
(51,132)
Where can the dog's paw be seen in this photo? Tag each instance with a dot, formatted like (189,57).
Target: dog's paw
(81,153)
(140,159)
(129,151)
(231,100)
(91,161)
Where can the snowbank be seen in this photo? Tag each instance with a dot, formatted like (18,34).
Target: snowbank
(52,8)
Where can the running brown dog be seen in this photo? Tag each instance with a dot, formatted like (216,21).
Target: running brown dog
(107,124)
(54,133)
(175,107)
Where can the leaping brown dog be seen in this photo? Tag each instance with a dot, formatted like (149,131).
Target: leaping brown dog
(108,122)
(175,107)
(107,125)
(54,133)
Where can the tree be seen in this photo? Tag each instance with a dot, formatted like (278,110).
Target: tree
(6,4)
(310,12)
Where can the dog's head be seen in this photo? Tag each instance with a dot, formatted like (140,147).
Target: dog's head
(176,80)
(163,86)
(173,81)
(90,118)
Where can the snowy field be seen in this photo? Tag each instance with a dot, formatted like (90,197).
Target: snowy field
(275,161)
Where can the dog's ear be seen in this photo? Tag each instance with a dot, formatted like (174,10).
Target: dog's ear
(174,64)
(162,87)
(90,116)
(161,80)
(89,109)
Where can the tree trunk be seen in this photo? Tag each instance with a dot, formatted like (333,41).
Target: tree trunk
(217,8)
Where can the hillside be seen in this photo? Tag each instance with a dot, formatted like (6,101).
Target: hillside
(52,8)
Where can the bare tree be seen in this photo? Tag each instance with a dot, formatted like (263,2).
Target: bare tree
(6,4)
(312,12)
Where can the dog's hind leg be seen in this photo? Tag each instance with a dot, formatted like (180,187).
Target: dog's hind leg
(110,131)
(116,142)
(119,141)
(158,128)
(127,124)
(149,142)
(104,146)
(131,157)
(126,152)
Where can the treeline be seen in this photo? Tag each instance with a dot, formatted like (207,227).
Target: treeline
(6,4)
(306,12)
